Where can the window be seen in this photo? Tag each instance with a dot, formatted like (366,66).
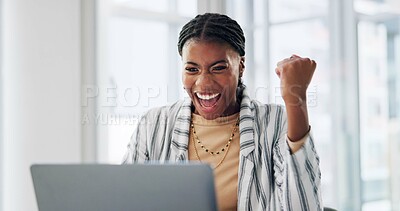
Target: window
(378,56)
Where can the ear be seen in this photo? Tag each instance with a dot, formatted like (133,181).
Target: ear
(241,66)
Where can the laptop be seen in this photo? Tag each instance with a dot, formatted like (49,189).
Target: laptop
(139,187)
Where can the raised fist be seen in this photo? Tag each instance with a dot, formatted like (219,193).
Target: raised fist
(295,74)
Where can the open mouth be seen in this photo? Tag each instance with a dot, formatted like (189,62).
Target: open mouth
(208,100)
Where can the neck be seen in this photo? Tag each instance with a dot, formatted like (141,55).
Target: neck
(232,109)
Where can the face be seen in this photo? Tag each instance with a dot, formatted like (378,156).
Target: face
(211,71)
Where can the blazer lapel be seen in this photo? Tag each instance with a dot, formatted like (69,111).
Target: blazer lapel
(246,126)
(180,136)
(246,162)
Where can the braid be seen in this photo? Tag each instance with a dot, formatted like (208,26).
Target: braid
(216,27)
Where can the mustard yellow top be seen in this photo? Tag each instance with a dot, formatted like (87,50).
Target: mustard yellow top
(214,135)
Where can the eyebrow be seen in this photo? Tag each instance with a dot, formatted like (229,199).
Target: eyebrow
(219,61)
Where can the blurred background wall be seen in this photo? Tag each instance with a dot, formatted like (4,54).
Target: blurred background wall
(41,80)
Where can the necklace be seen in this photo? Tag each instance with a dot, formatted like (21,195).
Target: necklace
(224,150)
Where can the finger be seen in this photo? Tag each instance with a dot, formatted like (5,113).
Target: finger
(293,56)
(309,61)
(278,71)
(283,61)
(313,64)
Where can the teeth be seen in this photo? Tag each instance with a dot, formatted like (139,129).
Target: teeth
(206,96)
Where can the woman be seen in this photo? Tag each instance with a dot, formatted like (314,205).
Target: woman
(263,155)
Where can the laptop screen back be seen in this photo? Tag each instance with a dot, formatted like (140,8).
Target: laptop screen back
(124,187)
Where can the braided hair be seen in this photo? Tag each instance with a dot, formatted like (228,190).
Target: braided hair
(214,27)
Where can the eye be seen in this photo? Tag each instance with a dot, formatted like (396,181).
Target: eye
(191,69)
(219,68)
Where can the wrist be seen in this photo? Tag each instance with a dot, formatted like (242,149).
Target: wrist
(298,137)
(295,101)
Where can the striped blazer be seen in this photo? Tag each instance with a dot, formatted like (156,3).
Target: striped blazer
(269,176)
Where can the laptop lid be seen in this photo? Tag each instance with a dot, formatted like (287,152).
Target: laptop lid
(124,187)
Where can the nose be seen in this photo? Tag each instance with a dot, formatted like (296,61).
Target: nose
(204,80)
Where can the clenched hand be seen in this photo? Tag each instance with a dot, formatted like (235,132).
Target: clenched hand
(295,74)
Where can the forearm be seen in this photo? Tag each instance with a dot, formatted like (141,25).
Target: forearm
(297,117)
